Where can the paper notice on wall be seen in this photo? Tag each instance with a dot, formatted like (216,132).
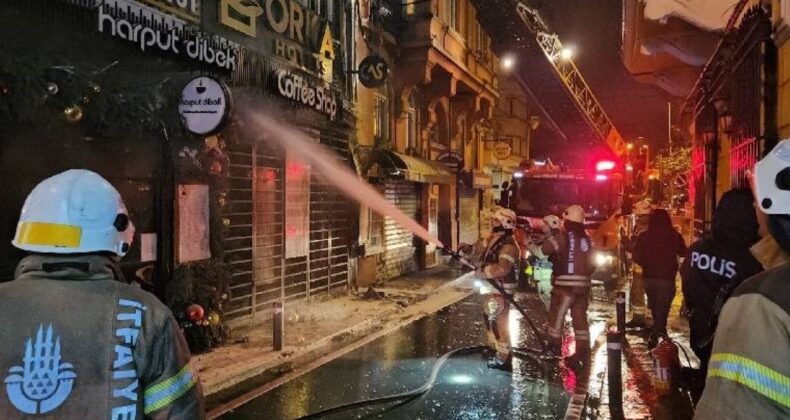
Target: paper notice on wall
(297,208)
(193,223)
(147,247)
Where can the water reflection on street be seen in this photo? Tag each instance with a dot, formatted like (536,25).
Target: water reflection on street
(465,389)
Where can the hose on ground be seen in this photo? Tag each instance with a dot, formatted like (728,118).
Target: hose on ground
(403,397)
(538,334)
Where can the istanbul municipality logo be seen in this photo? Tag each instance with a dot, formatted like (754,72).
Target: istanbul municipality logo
(44,382)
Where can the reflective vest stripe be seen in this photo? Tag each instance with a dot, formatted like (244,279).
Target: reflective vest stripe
(572,283)
(753,375)
(571,277)
(164,393)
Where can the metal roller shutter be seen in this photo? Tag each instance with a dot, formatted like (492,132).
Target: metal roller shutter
(400,256)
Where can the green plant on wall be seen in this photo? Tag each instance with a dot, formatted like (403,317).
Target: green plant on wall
(673,164)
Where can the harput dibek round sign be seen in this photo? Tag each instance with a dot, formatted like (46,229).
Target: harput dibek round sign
(373,71)
(204,105)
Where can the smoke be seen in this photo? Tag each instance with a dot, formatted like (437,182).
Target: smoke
(331,169)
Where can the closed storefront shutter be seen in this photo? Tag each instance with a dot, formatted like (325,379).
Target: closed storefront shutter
(470,215)
(400,256)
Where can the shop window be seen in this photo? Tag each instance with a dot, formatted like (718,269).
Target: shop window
(381,121)
(297,208)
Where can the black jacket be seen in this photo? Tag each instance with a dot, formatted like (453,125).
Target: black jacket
(657,249)
(722,260)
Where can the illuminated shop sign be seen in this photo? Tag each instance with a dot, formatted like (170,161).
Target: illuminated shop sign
(304,92)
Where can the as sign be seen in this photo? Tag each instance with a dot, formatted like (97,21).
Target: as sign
(373,71)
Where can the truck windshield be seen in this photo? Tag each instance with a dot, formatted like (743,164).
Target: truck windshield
(538,197)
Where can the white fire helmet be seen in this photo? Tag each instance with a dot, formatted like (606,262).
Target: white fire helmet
(73,212)
(643,208)
(574,213)
(505,216)
(772,180)
(552,221)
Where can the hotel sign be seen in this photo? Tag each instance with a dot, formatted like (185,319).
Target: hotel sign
(301,37)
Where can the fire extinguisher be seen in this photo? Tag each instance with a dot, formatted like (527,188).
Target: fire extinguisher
(666,363)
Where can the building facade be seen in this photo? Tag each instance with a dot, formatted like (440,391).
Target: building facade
(225,218)
(419,134)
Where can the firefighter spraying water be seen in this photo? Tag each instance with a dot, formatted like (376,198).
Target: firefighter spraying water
(500,255)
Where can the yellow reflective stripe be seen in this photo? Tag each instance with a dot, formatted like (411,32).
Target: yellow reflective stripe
(49,234)
(758,377)
(164,393)
(508,257)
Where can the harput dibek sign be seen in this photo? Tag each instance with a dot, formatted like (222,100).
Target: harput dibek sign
(204,105)
(152,29)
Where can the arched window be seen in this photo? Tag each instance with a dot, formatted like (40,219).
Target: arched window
(412,135)
(440,133)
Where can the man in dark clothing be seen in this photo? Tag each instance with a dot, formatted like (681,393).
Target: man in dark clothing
(504,195)
(714,266)
(657,251)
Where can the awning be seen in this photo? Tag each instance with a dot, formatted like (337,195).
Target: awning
(389,164)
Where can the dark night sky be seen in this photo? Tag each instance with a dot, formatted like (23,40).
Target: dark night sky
(595,28)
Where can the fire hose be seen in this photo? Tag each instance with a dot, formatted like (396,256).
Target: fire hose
(538,334)
(408,396)
(403,397)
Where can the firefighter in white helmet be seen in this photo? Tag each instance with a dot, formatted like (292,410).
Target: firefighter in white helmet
(499,255)
(105,348)
(749,369)
(571,282)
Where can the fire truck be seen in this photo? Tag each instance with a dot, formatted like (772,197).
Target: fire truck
(541,189)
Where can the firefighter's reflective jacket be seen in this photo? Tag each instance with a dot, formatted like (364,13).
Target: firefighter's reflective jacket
(573,249)
(749,370)
(77,343)
(500,256)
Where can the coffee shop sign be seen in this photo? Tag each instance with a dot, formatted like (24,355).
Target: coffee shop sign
(298,89)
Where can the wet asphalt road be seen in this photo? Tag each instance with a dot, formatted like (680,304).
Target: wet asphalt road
(401,361)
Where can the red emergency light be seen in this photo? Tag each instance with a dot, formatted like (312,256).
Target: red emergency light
(604,165)
(601,177)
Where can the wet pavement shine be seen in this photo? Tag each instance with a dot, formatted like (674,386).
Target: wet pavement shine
(402,361)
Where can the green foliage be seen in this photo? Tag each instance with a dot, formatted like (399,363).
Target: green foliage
(672,164)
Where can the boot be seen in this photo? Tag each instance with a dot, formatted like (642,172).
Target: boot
(636,323)
(499,364)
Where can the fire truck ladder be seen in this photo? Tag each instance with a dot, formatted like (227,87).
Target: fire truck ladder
(571,77)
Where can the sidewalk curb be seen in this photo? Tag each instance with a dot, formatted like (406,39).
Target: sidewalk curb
(259,379)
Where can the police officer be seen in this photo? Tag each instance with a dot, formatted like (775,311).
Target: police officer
(500,256)
(571,283)
(749,369)
(78,342)
(716,265)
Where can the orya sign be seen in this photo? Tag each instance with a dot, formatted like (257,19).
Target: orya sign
(152,29)
(300,90)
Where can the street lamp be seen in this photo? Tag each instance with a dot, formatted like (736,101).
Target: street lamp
(508,61)
(567,52)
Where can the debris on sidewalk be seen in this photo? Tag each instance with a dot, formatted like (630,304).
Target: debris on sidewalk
(315,328)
